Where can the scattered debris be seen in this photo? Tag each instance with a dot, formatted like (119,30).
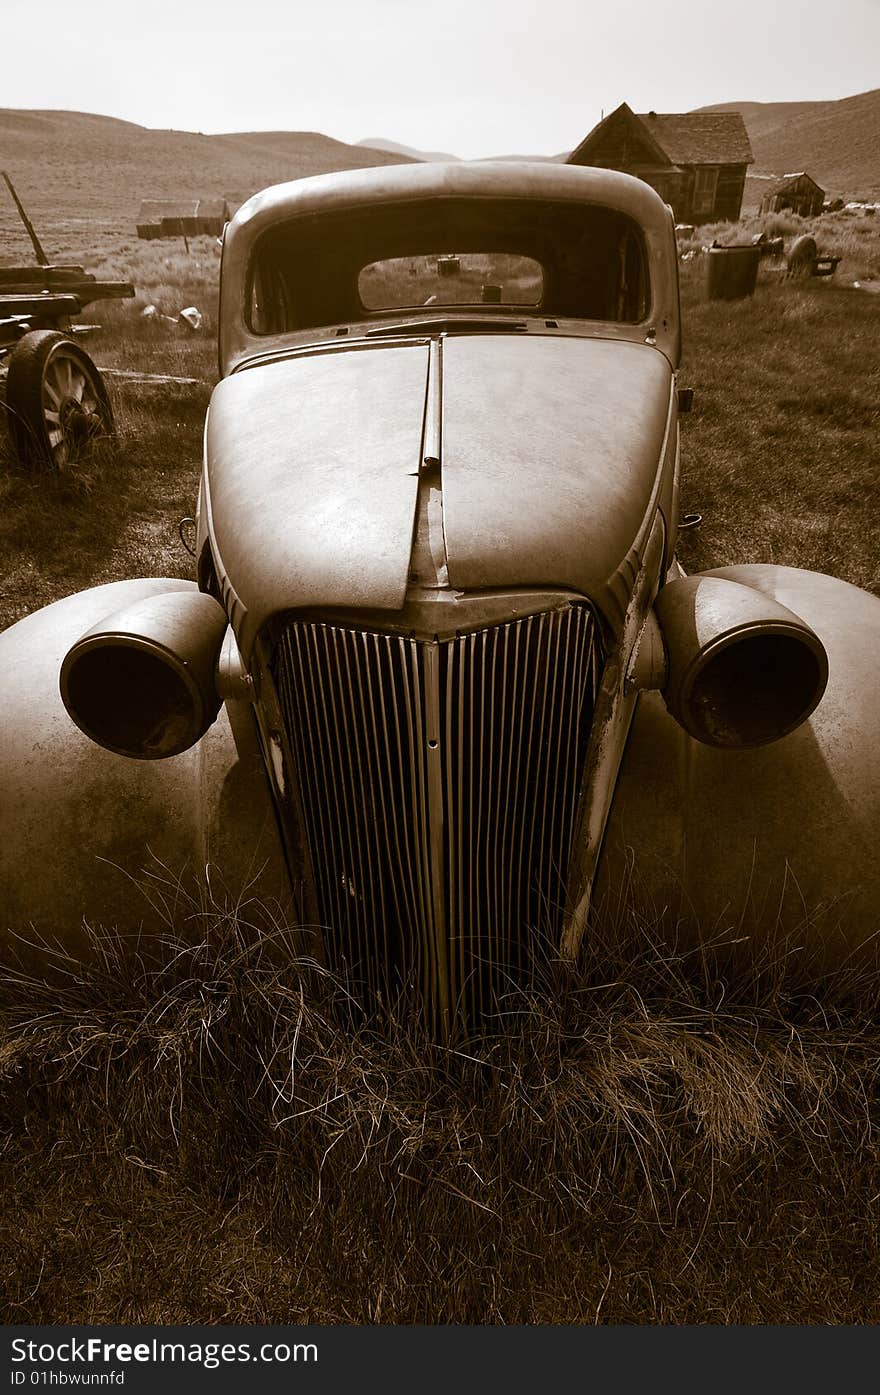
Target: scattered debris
(801,255)
(191,316)
(805,259)
(134,376)
(152,313)
(769,246)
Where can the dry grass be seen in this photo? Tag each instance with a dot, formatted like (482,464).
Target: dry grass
(780,450)
(202,1130)
(115,515)
(851,235)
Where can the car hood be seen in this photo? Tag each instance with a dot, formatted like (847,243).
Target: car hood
(549,448)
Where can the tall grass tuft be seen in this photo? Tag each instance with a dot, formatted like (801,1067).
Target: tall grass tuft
(204,1127)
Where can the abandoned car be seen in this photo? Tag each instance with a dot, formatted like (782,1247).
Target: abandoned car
(441,685)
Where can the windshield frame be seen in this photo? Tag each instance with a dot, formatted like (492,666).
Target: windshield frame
(319,196)
(329,251)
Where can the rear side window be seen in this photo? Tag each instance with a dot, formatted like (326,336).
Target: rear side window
(267,307)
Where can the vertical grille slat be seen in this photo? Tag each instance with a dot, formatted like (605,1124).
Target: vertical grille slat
(377,799)
(505,867)
(494,850)
(439,784)
(495,932)
(354,876)
(416,736)
(397,805)
(452,734)
(307,745)
(553,851)
(511,839)
(521,861)
(571,705)
(368,845)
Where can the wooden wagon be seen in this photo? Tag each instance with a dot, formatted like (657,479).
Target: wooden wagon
(56,401)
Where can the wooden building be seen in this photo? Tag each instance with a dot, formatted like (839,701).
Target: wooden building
(798,192)
(182,217)
(695,160)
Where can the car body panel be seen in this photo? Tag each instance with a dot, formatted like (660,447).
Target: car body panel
(299,448)
(311,480)
(550,451)
(82,828)
(763,838)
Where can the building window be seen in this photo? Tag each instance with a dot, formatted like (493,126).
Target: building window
(705,182)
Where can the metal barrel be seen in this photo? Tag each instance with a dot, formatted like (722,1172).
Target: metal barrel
(731,272)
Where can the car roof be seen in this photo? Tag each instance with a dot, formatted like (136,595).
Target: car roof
(491,179)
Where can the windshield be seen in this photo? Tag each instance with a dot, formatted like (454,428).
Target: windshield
(467,278)
(559,258)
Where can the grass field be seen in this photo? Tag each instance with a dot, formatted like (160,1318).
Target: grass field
(201,1133)
(780,451)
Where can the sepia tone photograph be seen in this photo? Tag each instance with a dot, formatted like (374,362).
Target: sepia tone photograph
(440,664)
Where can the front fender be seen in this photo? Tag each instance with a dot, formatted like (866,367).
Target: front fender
(79,825)
(763,838)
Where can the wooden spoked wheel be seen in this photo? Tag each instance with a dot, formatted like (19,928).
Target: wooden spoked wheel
(56,401)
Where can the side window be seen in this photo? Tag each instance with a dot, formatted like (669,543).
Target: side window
(267,302)
(632,294)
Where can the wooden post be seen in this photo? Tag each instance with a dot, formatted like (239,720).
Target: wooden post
(41,255)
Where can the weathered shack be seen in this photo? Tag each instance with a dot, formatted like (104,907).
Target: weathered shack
(798,192)
(695,160)
(182,217)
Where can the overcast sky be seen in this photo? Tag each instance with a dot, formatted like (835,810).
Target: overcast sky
(473,77)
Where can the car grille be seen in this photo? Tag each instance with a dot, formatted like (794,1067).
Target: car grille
(439,784)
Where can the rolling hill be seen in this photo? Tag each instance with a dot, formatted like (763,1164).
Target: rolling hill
(72,168)
(395,148)
(380,143)
(838,143)
(83,175)
(761,117)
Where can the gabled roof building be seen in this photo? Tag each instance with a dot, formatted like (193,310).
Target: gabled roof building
(799,192)
(696,160)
